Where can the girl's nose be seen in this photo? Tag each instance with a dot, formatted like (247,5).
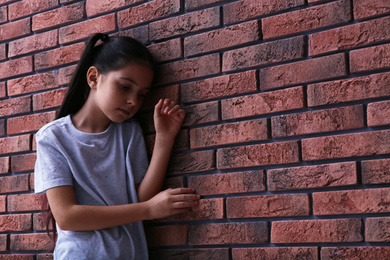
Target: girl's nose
(131,99)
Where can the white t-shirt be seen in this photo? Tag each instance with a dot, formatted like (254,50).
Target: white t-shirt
(103,169)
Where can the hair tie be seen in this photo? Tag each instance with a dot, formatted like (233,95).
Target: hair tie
(104,37)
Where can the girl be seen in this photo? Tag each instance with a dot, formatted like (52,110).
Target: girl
(92,161)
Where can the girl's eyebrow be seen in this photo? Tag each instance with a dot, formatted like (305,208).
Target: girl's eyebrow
(131,81)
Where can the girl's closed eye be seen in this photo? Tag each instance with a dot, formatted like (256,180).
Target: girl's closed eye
(124,86)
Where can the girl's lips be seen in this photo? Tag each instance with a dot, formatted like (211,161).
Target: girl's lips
(124,112)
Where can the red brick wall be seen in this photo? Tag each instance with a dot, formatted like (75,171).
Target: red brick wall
(287,133)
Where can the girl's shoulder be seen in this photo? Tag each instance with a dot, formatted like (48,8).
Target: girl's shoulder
(52,128)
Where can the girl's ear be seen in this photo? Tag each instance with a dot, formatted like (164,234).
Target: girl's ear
(92,77)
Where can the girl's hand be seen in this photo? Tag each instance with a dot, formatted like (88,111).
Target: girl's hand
(172,201)
(168,118)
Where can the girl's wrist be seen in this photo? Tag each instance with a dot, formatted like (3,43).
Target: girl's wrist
(164,140)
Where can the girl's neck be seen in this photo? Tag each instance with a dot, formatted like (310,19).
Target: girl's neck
(87,121)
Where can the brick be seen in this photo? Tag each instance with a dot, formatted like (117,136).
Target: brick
(348,145)
(16,67)
(65,74)
(3,242)
(377,229)
(218,87)
(3,14)
(351,36)
(2,127)
(15,144)
(174,182)
(190,68)
(269,253)
(351,202)
(59,56)
(236,182)
(30,242)
(38,223)
(167,235)
(94,7)
(201,113)
(317,231)
(264,54)
(194,4)
(335,119)
(47,256)
(14,184)
(29,123)
(141,33)
(181,141)
(368,59)
(29,7)
(248,9)
(24,202)
(48,99)
(32,186)
(223,38)
(193,254)
(17,222)
(15,106)
(58,17)
(192,162)
(3,52)
(4,164)
(33,43)
(376,171)
(230,133)
(3,87)
(229,233)
(24,162)
(358,252)
(15,29)
(166,51)
(147,12)
(378,113)
(363,9)
(355,89)
(268,206)
(32,83)
(3,205)
(310,177)
(17,257)
(83,30)
(207,209)
(303,20)
(183,24)
(6,1)
(317,69)
(171,92)
(257,155)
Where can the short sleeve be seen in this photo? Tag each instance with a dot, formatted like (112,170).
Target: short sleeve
(51,166)
(137,155)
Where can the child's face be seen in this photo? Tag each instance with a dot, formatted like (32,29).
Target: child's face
(120,93)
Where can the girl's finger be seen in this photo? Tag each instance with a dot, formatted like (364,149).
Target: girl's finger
(159,106)
(186,204)
(182,191)
(174,110)
(186,197)
(169,106)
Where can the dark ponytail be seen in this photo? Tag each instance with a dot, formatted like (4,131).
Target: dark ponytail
(112,54)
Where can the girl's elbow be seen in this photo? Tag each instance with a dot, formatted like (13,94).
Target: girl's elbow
(66,222)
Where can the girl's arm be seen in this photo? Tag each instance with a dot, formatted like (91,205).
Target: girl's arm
(168,118)
(71,216)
